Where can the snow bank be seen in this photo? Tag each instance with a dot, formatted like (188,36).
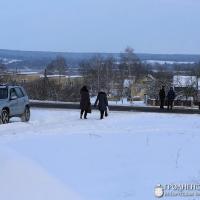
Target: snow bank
(22,179)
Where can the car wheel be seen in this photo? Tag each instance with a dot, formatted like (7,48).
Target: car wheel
(5,117)
(26,115)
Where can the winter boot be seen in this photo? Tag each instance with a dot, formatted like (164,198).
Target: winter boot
(81,115)
(102,114)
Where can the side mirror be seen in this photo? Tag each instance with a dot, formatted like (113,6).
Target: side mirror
(13,97)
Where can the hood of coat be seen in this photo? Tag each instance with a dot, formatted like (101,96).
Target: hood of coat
(84,89)
(102,93)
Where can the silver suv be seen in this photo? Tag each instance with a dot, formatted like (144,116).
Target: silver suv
(14,102)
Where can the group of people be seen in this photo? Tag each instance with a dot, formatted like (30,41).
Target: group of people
(102,101)
(169,97)
(85,104)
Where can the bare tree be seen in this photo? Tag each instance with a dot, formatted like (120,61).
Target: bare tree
(130,64)
(3,68)
(57,67)
(162,78)
(98,73)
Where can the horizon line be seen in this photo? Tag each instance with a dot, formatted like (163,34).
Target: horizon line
(100,52)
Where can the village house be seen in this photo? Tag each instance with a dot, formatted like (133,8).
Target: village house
(186,87)
(137,89)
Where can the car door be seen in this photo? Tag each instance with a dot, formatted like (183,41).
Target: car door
(21,100)
(14,108)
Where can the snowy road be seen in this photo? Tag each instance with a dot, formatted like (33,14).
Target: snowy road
(58,156)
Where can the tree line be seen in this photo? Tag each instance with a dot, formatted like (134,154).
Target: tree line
(101,72)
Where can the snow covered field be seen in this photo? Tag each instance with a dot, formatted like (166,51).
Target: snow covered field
(58,156)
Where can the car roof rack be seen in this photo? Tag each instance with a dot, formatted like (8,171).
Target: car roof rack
(7,84)
(3,84)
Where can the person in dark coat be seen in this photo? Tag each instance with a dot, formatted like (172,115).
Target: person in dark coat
(85,104)
(198,99)
(170,98)
(162,97)
(102,102)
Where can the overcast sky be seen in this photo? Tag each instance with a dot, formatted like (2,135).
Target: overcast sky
(151,26)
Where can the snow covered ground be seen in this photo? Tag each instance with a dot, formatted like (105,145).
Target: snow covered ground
(58,156)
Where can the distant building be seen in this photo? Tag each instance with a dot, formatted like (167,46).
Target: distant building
(185,81)
(65,80)
(20,77)
(24,77)
(137,88)
(186,87)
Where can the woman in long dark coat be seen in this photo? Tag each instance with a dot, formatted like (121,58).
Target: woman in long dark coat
(102,102)
(85,104)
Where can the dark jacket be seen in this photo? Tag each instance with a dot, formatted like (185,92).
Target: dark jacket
(102,101)
(171,95)
(85,100)
(162,94)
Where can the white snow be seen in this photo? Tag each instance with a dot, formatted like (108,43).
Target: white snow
(121,102)
(9,61)
(58,156)
(28,73)
(63,76)
(162,62)
(22,179)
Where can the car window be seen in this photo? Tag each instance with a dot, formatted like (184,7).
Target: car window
(19,92)
(13,92)
(3,93)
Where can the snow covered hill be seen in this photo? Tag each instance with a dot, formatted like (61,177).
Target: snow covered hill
(58,156)
(36,60)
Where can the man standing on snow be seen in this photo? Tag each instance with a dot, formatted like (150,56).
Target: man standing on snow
(170,98)
(102,102)
(162,97)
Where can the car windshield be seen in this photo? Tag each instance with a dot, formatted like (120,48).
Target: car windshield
(3,93)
